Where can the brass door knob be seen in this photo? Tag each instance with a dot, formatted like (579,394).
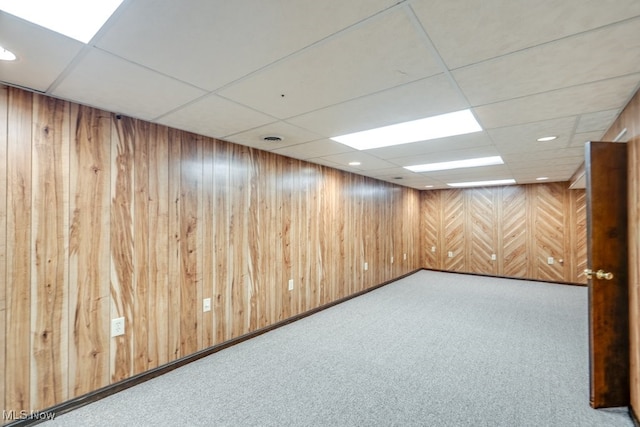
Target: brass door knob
(600,274)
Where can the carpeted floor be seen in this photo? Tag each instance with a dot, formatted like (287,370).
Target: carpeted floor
(433,349)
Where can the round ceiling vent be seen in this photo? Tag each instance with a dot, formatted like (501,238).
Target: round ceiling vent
(272,138)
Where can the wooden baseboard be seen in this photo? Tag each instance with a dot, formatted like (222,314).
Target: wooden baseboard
(506,277)
(94,396)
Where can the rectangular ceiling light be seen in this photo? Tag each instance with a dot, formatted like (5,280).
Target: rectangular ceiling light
(483,183)
(442,126)
(457,164)
(78,19)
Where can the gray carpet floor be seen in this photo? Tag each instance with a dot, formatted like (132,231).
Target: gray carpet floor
(432,349)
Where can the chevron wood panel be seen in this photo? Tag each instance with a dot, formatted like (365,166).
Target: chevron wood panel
(430,226)
(523,225)
(629,119)
(515,232)
(549,230)
(483,241)
(454,210)
(104,217)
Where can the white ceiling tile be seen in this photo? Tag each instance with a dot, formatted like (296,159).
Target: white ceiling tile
(211,43)
(524,137)
(466,32)
(383,53)
(311,150)
(103,80)
(453,143)
(216,117)
(604,95)
(423,98)
(543,155)
(367,161)
(600,120)
(41,54)
(568,62)
(579,139)
(291,135)
(446,156)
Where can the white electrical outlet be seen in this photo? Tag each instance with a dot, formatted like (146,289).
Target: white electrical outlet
(404,257)
(433,248)
(366,266)
(117,327)
(493,257)
(391,260)
(290,284)
(550,260)
(450,254)
(206,304)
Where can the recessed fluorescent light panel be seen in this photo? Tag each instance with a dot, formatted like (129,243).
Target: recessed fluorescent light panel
(457,164)
(6,55)
(442,126)
(78,19)
(483,183)
(547,138)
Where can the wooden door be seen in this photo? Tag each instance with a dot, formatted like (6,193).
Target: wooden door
(606,173)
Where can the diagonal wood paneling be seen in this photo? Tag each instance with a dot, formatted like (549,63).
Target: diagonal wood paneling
(454,220)
(549,230)
(514,231)
(430,226)
(483,232)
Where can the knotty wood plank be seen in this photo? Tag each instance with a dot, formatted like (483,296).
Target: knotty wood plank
(141,323)
(49,234)
(190,180)
(89,249)
(4,99)
(19,211)
(175,259)
(123,286)
(254,237)
(208,223)
(222,283)
(159,237)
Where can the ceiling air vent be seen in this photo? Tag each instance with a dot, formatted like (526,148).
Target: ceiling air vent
(272,138)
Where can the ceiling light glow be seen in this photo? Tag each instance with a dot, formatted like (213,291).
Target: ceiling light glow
(457,164)
(483,183)
(354,163)
(6,55)
(542,178)
(442,126)
(78,19)
(547,138)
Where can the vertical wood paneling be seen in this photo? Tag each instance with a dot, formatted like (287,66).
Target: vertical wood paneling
(190,182)
(208,223)
(175,253)
(49,275)
(17,347)
(141,246)
(104,217)
(123,286)
(159,237)
(4,102)
(89,250)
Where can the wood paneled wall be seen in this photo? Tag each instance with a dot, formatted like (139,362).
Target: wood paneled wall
(103,218)
(523,225)
(630,119)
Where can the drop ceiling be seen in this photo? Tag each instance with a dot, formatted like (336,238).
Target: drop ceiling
(309,70)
